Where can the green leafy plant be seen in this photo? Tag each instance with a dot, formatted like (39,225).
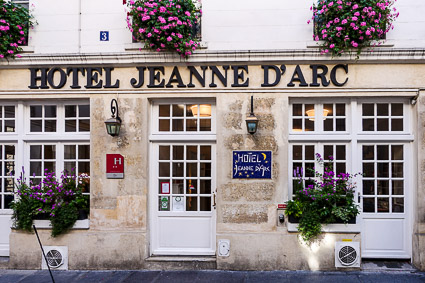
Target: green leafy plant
(343,25)
(328,198)
(61,200)
(165,24)
(15,21)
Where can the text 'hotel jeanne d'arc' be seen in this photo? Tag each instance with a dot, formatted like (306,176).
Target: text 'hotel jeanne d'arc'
(156,77)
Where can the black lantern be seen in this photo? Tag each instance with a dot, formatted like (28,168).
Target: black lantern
(113,124)
(251,120)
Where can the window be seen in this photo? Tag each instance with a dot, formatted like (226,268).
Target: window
(55,137)
(364,135)
(327,117)
(184,118)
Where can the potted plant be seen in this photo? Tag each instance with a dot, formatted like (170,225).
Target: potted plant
(345,25)
(164,25)
(15,21)
(60,201)
(327,198)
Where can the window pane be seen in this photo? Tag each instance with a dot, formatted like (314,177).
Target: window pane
(49,167)
(297,110)
(9,151)
(368,152)
(396,109)
(205,170)
(83,167)
(205,187)
(398,205)
(205,125)
(50,111)
(397,152)
(308,125)
(178,110)
(84,126)
(191,203)
(340,152)
(328,124)
(9,111)
(178,169)
(383,170)
(398,187)
(328,152)
(368,170)
(340,124)
(383,205)
(84,111)
(205,203)
(328,108)
(191,186)
(84,151)
(164,152)
(191,170)
(70,152)
(368,110)
(368,125)
(297,152)
(397,170)
(35,126)
(205,152)
(382,152)
(382,109)
(70,125)
(177,125)
(35,152)
(396,124)
(368,187)
(36,111)
(164,169)
(297,125)
(50,125)
(340,109)
(49,152)
(191,125)
(192,152)
(9,126)
(178,187)
(164,125)
(69,167)
(189,107)
(164,110)
(368,204)
(383,187)
(178,151)
(382,124)
(309,152)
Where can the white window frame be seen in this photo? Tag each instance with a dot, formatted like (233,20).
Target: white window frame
(352,137)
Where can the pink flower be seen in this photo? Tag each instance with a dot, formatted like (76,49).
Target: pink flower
(187,13)
(332,46)
(354,18)
(169,38)
(355,6)
(344,21)
(162,9)
(363,24)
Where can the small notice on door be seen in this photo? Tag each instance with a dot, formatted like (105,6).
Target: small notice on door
(178,204)
(252,164)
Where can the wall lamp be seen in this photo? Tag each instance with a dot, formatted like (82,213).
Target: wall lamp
(251,120)
(113,124)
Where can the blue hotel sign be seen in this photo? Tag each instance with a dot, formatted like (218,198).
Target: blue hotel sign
(252,164)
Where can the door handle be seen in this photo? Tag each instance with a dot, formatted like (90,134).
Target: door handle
(214,200)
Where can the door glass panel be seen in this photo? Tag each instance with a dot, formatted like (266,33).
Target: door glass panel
(188,172)
(398,205)
(368,204)
(383,205)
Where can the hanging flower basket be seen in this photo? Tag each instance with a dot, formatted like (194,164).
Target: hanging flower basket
(14,23)
(343,25)
(164,25)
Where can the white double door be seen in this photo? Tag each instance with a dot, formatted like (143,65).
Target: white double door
(182,199)
(386,190)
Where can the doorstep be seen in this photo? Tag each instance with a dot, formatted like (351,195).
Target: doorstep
(4,262)
(181,263)
(387,265)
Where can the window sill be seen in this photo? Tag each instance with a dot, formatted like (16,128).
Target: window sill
(139,46)
(27,49)
(79,224)
(316,44)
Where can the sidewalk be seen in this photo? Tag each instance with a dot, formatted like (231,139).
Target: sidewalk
(42,276)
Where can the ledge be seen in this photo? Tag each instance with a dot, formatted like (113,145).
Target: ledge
(79,224)
(298,56)
(331,228)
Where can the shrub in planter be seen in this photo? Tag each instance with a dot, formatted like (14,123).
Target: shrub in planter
(164,24)
(343,25)
(328,198)
(57,200)
(14,23)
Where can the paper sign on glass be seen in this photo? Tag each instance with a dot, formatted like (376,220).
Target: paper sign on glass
(165,187)
(178,204)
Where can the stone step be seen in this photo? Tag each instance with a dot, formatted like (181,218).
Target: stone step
(181,263)
(4,262)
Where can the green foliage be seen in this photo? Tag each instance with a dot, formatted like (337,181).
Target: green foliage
(164,25)
(328,198)
(60,200)
(15,21)
(343,25)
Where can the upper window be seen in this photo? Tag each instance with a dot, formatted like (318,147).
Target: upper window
(7,116)
(382,117)
(184,118)
(59,118)
(328,117)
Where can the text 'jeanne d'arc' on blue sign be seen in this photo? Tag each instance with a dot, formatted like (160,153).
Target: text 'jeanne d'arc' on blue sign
(252,164)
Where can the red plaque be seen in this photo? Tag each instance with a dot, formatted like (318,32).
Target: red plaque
(114,166)
(281,206)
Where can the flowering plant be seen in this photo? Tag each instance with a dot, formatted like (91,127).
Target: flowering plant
(328,198)
(60,200)
(344,24)
(164,24)
(14,23)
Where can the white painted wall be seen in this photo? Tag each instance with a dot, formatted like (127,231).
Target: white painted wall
(226,25)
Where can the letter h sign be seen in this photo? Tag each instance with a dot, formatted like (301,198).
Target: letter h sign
(114,166)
